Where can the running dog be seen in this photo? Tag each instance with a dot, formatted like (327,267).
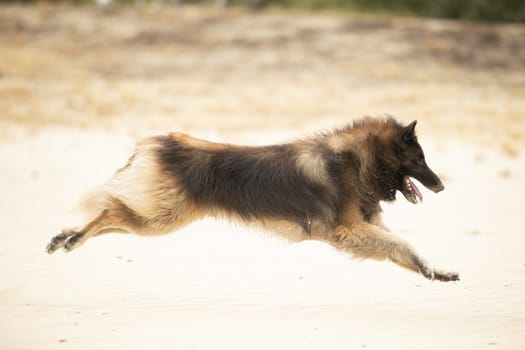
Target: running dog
(327,187)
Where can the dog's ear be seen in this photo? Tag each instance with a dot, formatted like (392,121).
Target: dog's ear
(408,134)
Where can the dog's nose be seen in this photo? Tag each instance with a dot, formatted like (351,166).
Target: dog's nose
(438,187)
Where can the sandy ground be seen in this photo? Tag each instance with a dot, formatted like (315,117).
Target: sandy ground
(78,86)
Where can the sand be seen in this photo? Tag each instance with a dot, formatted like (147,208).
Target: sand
(69,121)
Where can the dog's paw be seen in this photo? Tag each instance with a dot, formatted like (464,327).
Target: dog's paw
(439,275)
(444,276)
(435,274)
(57,242)
(67,239)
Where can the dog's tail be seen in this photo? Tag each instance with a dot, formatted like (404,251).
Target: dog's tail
(140,185)
(96,201)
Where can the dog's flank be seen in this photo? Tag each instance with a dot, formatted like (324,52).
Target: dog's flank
(327,187)
(249,182)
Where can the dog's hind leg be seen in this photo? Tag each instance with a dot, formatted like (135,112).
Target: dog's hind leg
(369,242)
(108,220)
(110,214)
(120,218)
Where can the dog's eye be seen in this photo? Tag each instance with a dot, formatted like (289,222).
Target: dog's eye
(420,159)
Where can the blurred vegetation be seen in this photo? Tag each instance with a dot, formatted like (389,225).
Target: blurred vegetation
(476,10)
(481,10)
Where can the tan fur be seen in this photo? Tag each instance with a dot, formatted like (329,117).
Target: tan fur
(196,142)
(311,161)
(340,142)
(140,186)
(290,231)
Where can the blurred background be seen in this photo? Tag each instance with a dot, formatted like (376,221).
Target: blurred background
(82,81)
(221,67)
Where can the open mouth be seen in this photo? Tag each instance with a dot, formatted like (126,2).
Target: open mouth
(411,192)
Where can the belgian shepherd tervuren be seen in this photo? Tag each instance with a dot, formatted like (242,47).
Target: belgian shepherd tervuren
(326,187)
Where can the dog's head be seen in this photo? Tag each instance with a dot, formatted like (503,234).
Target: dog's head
(412,164)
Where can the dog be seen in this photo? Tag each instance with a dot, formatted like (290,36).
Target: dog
(326,187)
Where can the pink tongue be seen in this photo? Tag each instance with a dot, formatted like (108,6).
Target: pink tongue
(416,191)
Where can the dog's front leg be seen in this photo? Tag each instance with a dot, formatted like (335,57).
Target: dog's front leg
(370,242)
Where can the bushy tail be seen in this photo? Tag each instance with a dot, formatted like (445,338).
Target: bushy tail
(96,201)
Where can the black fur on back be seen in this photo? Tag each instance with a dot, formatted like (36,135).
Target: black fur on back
(253,182)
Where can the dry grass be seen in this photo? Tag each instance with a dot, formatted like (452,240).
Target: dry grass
(155,67)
